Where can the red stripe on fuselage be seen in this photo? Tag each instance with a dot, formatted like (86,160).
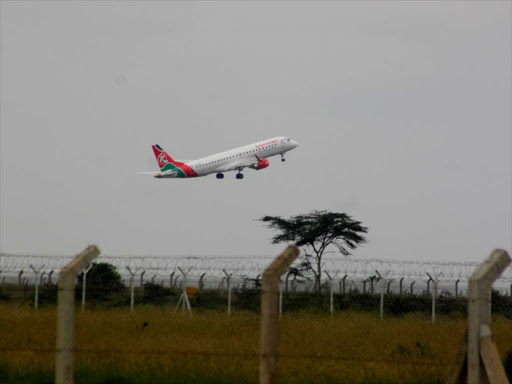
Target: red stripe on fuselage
(185,168)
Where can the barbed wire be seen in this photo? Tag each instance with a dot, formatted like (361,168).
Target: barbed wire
(253,266)
(244,271)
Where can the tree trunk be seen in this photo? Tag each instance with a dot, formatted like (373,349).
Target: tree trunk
(319,277)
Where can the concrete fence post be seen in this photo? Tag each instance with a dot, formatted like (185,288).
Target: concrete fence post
(36,292)
(171,284)
(428,285)
(269,312)
(435,280)
(66,314)
(228,279)
(331,293)
(343,283)
(201,282)
(383,282)
(479,311)
(491,358)
(381,308)
(84,284)
(372,278)
(142,279)
(436,283)
(286,282)
(132,288)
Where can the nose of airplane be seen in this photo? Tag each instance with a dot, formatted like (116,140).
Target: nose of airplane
(294,143)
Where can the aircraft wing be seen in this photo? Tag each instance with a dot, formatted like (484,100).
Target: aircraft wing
(239,165)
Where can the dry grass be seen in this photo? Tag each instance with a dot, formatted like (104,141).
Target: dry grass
(210,347)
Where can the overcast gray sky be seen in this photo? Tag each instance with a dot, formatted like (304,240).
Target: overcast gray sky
(402,112)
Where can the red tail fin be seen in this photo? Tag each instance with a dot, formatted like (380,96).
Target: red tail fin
(162,157)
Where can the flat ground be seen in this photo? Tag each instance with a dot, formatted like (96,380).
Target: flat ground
(156,345)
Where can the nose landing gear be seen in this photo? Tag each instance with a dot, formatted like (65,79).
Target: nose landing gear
(282,157)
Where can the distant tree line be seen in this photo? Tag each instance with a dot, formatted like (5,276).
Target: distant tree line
(105,289)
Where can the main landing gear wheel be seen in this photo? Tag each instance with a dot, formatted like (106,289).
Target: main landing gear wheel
(220,175)
(239,176)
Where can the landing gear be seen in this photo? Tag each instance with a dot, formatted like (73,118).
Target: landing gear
(282,157)
(220,175)
(239,176)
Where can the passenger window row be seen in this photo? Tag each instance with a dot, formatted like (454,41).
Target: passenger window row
(244,153)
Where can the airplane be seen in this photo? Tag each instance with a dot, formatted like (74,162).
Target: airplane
(253,156)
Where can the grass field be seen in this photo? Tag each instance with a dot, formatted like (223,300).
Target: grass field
(156,345)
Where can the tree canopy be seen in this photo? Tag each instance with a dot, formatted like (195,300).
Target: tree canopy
(103,281)
(315,232)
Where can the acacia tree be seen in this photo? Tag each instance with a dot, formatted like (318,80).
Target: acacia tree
(315,232)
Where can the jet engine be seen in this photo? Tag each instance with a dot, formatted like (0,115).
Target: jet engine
(262,163)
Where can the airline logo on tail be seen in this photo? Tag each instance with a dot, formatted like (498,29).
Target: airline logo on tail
(168,165)
(162,160)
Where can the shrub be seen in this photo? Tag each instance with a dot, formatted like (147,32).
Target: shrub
(210,300)
(156,294)
(48,294)
(103,283)
(248,299)
(501,304)
(4,296)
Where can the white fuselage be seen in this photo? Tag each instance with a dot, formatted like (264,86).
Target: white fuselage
(240,157)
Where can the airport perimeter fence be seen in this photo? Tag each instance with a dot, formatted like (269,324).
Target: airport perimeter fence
(198,320)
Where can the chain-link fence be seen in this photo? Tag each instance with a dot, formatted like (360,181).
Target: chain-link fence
(191,320)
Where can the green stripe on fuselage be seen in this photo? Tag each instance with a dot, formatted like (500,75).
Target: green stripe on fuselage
(172,167)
